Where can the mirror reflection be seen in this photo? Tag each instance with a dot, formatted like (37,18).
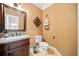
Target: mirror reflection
(14,19)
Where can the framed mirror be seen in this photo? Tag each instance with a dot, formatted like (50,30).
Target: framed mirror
(15,20)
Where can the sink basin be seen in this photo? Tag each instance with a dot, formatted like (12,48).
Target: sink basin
(15,38)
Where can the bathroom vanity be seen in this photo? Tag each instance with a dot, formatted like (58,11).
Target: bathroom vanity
(13,20)
(16,46)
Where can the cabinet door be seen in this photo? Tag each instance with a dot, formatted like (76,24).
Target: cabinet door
(20,51)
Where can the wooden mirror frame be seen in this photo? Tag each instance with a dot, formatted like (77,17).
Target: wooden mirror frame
(3,16)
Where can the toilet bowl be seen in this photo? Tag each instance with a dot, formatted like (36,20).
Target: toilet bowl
(44,45)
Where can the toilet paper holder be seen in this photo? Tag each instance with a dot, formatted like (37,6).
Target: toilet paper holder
(52,36)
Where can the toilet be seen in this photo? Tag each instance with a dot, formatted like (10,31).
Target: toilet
(43,48)
(43,45)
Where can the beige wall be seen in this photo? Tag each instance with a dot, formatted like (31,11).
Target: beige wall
(63,24)
(78,28)
(32,12)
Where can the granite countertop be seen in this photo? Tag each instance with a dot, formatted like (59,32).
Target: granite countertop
(12,39)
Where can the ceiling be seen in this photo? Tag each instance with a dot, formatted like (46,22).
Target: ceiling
(42,6)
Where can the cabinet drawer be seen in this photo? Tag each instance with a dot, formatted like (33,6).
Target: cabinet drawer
(3,47)
(16,44)
(20,51)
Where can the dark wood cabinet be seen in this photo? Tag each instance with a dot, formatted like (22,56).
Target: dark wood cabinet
(20,51)
(18,48)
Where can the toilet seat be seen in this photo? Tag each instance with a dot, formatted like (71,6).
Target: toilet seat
(44,45)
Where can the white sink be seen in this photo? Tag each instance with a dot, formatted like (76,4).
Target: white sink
(15,38)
